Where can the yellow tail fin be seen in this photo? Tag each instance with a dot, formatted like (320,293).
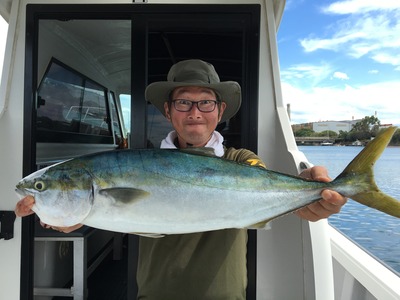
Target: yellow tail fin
(363,164)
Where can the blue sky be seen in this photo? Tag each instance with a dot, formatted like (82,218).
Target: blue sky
(341,59)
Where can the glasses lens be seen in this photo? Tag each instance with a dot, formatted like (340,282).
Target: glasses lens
(184,105)
(206,105)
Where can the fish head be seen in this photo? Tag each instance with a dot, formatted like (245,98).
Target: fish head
(63,196)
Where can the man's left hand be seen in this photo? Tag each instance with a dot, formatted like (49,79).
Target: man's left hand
(331,202)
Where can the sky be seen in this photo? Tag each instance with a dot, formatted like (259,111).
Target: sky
(339,60)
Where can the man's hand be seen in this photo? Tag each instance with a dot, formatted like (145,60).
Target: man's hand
(331,202)
(24,208)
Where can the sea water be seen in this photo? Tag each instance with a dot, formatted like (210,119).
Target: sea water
(376,232)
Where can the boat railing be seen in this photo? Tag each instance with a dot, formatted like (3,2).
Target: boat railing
(354,268)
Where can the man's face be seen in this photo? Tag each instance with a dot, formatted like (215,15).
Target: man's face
(194,127)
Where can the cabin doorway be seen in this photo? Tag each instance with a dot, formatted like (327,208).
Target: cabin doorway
(120,49)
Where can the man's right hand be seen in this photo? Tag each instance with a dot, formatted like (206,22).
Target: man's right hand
(24,208)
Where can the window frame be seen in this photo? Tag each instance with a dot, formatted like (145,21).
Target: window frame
(61,136)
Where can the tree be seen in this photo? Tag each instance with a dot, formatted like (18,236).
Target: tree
(330,133)
(344,135)
(304,132)
(365,129)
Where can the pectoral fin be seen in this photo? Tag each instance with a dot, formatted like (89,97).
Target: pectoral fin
(124,195)
(261,225)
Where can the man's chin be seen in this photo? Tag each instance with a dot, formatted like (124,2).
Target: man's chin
(197,140)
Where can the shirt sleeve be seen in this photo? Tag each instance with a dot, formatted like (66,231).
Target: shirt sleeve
(244,156)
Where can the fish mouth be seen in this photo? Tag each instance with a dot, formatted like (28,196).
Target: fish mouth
(21,192)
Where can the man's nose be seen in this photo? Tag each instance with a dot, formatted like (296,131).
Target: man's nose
(194,110)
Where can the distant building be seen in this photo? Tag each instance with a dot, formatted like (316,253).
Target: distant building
(335,126)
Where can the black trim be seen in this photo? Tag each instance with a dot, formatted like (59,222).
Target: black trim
(49,136)
(139,82)
(29,154)
(54,60)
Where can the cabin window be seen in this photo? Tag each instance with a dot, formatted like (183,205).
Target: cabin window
(71,107)
(125,101)
(117,122)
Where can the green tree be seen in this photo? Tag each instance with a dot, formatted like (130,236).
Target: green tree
(365,129)
(304,132)
(330,133)
(344,136)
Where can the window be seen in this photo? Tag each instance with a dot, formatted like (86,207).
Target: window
(118,126)
(72,108)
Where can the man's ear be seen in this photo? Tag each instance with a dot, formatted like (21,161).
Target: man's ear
(167,112)
(221,110)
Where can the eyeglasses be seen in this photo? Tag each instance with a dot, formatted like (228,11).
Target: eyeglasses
(184,105)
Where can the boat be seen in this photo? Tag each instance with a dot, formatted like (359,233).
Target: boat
(357,143)
(70,68)
(326,143)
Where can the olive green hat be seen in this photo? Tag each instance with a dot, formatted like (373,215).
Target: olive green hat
(195,72)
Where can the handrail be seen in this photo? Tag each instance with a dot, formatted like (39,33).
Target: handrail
(379,280)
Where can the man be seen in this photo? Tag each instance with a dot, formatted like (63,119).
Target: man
(210,265)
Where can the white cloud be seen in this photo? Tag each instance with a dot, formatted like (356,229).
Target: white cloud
(363,29)
(386,58)
(361,6)
(335,43)
(341,75)
(328,103)
(312,74)
(372,29)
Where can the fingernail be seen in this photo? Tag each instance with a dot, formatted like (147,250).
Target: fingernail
(327,194)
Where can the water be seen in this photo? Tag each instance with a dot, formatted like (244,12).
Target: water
(376,232)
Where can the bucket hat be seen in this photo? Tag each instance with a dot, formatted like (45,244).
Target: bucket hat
(195,72)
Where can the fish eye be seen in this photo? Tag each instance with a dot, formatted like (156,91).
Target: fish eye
(40,186)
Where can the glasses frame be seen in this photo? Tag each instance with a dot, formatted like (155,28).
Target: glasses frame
(195,103)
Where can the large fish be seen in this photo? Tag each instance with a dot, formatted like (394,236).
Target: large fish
(172,191)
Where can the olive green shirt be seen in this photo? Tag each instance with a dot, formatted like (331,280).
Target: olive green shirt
(206,265)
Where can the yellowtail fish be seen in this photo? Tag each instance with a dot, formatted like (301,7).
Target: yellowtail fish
(158,192)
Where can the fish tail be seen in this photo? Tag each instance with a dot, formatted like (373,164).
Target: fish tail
(362,166)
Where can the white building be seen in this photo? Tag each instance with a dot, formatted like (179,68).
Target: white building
(335,126)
